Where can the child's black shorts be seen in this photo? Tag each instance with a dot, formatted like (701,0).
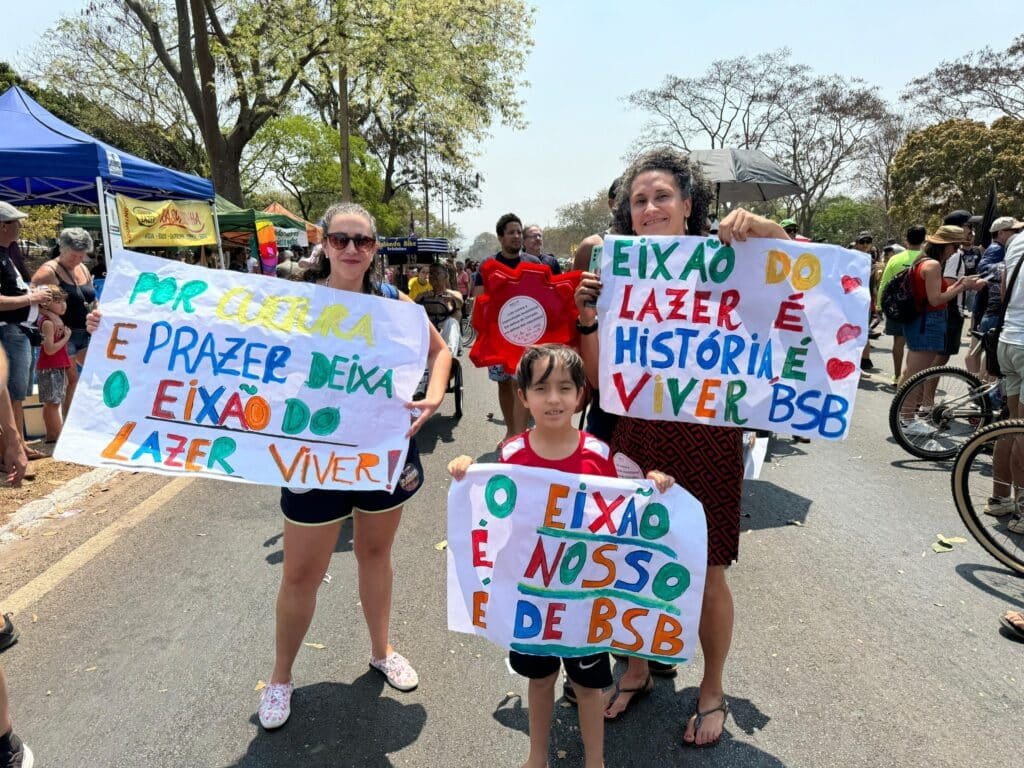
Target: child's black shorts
(593,671)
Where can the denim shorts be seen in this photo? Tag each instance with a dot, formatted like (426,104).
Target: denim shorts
(929,338)
(53,385)
(19,360)
(893,328)
(79,341)
(497,373)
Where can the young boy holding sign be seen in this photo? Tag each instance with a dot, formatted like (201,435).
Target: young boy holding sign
(550,384)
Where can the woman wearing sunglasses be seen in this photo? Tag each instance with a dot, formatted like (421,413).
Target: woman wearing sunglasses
(312,517)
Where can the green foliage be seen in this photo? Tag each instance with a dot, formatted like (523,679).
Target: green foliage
(426,79)
(839,219)
(301,155)
(576,221)
(952,164)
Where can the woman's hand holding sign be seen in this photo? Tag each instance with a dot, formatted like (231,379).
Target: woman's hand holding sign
(741,224)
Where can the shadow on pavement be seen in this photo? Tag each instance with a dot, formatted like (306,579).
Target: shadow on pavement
(650,734)
(1011,591)
(439,429)
(766,505)
(335,725)
(344,543)
(923,465)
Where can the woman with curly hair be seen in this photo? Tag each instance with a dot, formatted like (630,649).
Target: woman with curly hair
(663,193)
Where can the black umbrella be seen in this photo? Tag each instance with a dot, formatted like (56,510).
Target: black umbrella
(744,175)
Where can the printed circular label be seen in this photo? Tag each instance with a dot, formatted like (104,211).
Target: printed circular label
(627,468)
(522,320)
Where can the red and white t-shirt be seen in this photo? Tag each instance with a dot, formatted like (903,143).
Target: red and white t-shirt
(592,457)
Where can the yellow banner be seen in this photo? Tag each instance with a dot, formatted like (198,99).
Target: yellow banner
(161,223)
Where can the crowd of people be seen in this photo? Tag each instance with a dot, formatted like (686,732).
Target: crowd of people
(660,193)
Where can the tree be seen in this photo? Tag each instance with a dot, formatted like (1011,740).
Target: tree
(168,145)
(425,80)
(485,244)
(814,126)
(980,84)
(952,165)
(229,65)
(874,173)
(823,136)
(734,103)
(575,221)
(839,219)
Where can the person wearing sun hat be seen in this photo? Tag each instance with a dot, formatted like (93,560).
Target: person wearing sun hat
(926,334)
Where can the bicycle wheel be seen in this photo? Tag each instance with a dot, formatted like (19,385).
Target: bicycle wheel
(468,332)
(936,411)
(974,475)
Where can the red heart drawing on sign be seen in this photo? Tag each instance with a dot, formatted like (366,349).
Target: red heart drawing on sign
(851,283)
(839,369)
(847,332)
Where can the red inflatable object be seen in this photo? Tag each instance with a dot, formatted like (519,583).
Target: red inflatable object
(519,308)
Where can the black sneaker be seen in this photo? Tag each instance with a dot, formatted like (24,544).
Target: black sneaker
(8,637)
(17,755)
(866,364)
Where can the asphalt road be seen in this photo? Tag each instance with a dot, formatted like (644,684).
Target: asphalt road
(855,645)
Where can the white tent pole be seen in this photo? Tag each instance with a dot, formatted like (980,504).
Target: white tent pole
(102,202)
(216,229)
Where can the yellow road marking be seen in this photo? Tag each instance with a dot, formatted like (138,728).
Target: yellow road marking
(73,561)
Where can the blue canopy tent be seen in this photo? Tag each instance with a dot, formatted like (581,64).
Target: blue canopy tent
(45,161)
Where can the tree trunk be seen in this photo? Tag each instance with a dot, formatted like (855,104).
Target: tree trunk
(225,162)
(343,130)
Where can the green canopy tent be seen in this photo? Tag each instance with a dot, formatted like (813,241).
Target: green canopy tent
(236,224)
(231,217)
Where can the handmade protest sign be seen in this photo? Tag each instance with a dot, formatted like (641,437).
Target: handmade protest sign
(550,563)
(763,334)
(520,307)
(242,377)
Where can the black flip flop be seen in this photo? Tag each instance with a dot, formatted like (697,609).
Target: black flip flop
(723,708)
(637,694)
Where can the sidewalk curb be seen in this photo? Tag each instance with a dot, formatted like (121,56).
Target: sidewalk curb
(29,514)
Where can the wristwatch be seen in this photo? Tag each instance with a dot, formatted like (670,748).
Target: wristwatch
(586,330)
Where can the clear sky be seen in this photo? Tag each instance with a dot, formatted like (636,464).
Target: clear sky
(590,54)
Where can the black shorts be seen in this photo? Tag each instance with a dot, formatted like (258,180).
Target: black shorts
(320,506)
(954,329)
(594,671)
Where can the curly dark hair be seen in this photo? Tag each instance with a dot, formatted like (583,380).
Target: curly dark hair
(689,180)
(322,266)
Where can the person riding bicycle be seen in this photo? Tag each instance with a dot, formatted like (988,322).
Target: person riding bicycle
(443,306)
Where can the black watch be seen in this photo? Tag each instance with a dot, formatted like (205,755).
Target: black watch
(586,330)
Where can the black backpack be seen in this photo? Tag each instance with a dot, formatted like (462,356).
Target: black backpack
(898,302)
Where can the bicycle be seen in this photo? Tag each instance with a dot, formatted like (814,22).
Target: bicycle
(982,470)
(937,410)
